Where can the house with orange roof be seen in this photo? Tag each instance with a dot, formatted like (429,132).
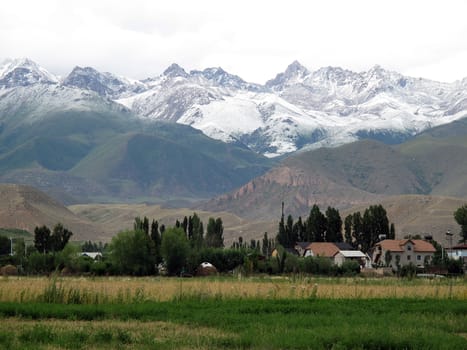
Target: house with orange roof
(338,253)
(395,253)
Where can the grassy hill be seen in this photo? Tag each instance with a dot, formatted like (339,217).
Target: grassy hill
(107,154)
(441,155)
(433,163)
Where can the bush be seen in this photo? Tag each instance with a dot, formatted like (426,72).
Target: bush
(319,265)
(409,271)
(455,266)
(350,268)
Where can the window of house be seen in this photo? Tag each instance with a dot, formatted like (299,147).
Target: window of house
(408,257)
(419,257)
(409,247)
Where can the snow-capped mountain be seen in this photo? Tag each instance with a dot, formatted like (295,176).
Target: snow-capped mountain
(105,84)
(298,109)
(24,72)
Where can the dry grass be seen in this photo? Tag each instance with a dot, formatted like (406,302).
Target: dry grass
(127,290)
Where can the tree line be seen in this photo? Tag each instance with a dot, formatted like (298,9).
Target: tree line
(360,231)
(149,245)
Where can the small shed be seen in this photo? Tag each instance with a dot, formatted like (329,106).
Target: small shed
(357,255)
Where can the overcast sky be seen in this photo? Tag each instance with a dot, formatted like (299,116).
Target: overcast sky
(253,39)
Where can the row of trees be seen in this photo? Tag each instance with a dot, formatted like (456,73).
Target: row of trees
(185,245)
(139,251)
(361,231)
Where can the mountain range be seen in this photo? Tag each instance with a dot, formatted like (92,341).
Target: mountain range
(298,109)
(362,172)
(184,136)
(80,146)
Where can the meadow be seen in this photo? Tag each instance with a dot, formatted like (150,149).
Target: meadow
(236,313)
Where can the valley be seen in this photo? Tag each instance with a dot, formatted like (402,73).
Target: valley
(94,146)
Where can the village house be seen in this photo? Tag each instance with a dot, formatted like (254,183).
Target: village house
(458,252)
(338,252)
(395,253)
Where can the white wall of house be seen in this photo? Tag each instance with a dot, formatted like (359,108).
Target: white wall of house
(407,256)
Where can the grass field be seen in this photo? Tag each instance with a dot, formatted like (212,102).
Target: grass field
(121,289)
(257,313)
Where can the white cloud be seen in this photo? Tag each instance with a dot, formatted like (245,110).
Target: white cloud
(254,39)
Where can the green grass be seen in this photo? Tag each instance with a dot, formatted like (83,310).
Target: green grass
(15,233)
(258,323)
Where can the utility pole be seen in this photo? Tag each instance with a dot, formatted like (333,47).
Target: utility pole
(449,234)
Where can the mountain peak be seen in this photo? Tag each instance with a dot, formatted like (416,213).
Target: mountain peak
(294,73)
(24,72)
(174,70)
(105,84)
(296,68)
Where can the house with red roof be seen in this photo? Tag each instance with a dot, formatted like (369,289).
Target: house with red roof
(395,253)
(338,253)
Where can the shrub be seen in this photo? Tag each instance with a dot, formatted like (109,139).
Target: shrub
(350,268)
(409,270)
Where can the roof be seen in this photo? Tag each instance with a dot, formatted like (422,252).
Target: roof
(303,245)
(323,249)
(291,251)
(460,246)
(92,255)
(397,245)
(344,246)
(206,264)
(352,254)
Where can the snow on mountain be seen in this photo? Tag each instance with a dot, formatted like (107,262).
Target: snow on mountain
(27,104)
(298,109)
(24,72)
(301,108)
(105,84)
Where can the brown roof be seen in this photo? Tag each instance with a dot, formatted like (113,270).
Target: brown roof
(460,246)
(323,249)
(397,245)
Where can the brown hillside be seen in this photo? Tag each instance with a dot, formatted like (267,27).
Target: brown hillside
(297,187)
(118,217)
(417,214)
(25,208)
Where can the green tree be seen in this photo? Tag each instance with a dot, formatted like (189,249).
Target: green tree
(59,238)
(174,249)
(316,225)
(348,229)
(215,233)
(392,232)
(460,215)
(333,225)
(375,224)
(281,233)
(5,245)
(197,234)
(357,229)
(184,225)
(299,230)
(156,239)
(141,225)
(265,249)
(42,239)
(131,252)
(289,232)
